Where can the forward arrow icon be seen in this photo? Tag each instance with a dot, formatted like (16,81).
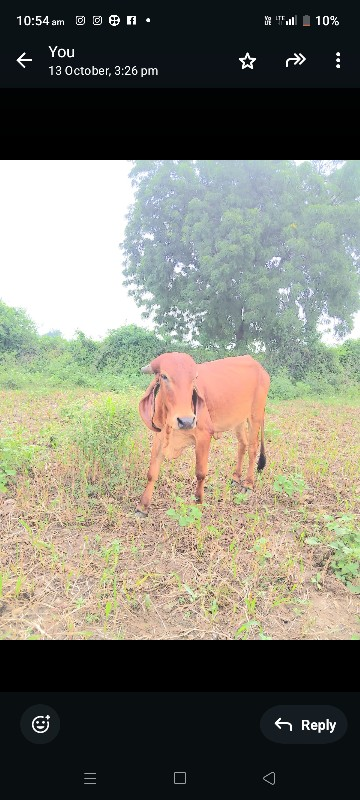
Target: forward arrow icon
(299,59)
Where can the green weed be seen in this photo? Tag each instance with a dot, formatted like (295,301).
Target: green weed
(346,546)
(186,515)
(289,484)
(15,454)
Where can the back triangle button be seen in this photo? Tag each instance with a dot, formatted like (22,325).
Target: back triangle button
(270,778)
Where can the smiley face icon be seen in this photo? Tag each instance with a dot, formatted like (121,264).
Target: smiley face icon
(41,724)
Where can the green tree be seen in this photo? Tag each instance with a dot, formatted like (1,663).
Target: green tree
(83,349)
(349,357)
(53,333)
(18,332)
(129,348)
(237,252)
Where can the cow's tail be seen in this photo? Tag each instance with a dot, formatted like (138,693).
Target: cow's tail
(262,456)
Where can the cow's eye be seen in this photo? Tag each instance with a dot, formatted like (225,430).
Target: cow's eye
(164,377)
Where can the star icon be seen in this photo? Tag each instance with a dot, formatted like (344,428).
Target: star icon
(247,61)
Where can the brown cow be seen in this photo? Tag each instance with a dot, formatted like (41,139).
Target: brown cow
(188,403)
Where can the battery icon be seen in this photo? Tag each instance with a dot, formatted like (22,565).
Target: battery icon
(306,21)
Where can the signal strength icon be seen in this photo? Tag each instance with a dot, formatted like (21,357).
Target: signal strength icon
(291,21)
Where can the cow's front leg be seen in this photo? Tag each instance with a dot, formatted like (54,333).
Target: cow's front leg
(153,474)
(202,447)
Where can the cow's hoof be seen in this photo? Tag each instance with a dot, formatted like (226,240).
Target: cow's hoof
(141,514)
(240,487)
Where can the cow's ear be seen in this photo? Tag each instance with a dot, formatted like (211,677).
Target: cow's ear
(159,411)
(203,420)
(147,405)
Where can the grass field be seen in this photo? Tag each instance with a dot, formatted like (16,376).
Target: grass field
(77,563)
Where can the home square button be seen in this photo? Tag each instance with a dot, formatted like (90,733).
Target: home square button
(179,777)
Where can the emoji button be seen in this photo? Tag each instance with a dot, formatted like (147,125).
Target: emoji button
(40,724)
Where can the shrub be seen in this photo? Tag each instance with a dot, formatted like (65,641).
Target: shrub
(128,349)
(17,331)
(282,387)
(15,454)
(101,437)
(349,358)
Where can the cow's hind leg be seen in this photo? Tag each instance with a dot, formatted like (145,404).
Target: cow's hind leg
(202,447)
(242,437)
(153,474)
(254,427)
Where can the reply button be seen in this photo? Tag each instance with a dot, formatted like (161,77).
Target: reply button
(303,724)
(306,725)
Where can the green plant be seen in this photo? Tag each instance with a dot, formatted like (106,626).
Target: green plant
(4,475)
(250,603)
(99,439)
(317,580)
(311,540)
(289,484)
(214,608)
(15,454)
(243,631)
(108,609)
(241,497)
(282,387)
(214,531)
(186,515)
(261,551)
(190,592)
(346,546)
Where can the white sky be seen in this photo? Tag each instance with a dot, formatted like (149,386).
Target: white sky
(62,222)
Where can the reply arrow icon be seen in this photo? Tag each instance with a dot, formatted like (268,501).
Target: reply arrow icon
(279,723)
(21,59)
(299,59)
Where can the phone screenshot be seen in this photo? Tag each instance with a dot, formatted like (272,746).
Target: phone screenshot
(261,745)
(149,45)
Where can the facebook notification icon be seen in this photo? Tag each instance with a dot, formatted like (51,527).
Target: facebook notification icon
(131,20)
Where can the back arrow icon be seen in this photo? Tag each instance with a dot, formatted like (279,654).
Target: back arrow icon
(21,59)
(299,59)
(270,778)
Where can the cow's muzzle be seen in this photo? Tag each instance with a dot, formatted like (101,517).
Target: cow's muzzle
(184,423)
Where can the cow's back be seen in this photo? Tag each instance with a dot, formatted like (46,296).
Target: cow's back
(231,386)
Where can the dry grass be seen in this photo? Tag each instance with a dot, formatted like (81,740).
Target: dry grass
(77,563)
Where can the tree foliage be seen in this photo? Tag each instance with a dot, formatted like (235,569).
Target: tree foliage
(116,361)
(129,348)
(17,331)
(53,333)
(236,252)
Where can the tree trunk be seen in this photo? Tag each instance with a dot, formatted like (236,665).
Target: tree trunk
(240,333)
